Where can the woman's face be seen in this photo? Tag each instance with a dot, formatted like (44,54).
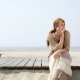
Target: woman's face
(60,27)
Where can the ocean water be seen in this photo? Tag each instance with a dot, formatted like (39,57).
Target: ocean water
(33,48)
(25,48)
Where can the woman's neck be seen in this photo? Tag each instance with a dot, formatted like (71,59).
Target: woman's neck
(57,37)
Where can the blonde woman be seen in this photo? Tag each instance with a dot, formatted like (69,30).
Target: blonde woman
(59,57)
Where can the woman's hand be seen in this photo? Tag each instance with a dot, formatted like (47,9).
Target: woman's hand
(62,33)
(57,54)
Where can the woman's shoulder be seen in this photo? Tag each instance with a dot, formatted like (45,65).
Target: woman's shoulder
(51,38)
(67,32)
(50,35)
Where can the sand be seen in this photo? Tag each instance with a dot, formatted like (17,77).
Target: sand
(15,74)
(23,74)
(33,53)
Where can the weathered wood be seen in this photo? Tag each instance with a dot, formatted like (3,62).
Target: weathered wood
(78,74)
(33,63)
(75,74)
(37,63)
(8,63)
(14,64)
(75,63)
(45,63)
(4,61)
(0,55)
(30,63)
(23,63)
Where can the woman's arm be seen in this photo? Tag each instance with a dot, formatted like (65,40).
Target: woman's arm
(58,52)
(54,44)
(66,45)
(61,41)
(66,42)
(63,50)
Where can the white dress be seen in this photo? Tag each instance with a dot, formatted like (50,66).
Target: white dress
(60,69)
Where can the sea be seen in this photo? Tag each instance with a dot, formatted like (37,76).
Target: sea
(33,48)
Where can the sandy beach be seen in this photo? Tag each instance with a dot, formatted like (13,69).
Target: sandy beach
(24,74)
(33,53)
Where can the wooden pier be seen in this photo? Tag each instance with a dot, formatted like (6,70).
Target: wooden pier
(13,68)
(31,63)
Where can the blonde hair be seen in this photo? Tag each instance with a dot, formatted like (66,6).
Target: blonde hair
(55,24)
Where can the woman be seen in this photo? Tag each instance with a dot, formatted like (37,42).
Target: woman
(59,57)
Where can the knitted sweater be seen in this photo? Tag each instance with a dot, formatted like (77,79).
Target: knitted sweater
(54,43)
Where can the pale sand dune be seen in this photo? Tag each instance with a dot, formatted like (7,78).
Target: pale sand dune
(24,74)
(34,53)
(24,53)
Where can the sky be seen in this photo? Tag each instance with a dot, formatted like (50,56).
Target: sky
(26,23)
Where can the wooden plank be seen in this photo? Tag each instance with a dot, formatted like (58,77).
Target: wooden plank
(75,63)
(23,63)
(1,59)
(14,64)
(37,63)
(78,74)
(30,63)
(75,75)
(45,63)
(4,61)
(8,63)
(0,55)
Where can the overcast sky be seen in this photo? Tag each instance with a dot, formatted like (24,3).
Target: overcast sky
(26,23)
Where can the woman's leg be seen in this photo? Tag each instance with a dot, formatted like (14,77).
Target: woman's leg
(56,74)
(51,66)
